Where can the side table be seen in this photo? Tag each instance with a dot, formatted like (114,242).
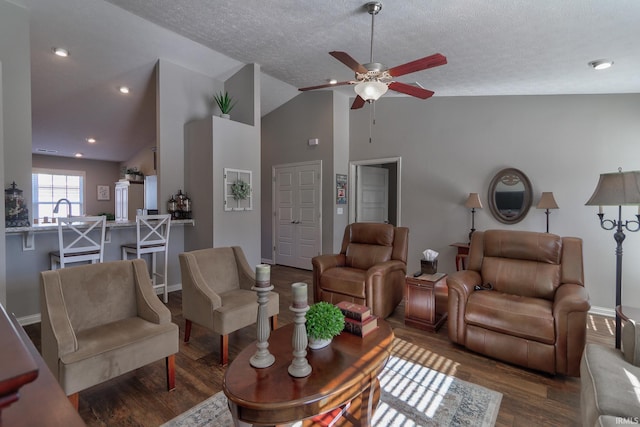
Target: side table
(421,310)
(462,255)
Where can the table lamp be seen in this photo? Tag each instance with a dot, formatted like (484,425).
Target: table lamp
(473,202)
(547,202)
(617,189)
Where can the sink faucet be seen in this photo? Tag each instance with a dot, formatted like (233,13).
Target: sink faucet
(55,209)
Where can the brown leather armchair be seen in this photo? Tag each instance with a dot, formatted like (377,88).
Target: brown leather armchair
(536,314)
(369,270)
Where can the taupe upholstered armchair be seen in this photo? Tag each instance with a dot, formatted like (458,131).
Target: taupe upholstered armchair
(102,320)
(535,315)
(369,270)
(216,293)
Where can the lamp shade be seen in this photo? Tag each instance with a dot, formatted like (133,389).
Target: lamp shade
(547,201)
(616,189)
(473,201)
(371,91)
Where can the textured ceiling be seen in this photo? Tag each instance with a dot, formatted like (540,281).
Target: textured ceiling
(496,47)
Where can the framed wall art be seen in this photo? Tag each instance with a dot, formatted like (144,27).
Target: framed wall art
(238,190)
(341,189)
(103,192)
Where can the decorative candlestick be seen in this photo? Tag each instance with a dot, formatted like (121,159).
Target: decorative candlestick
(263,275)
(299,366)
(262,358)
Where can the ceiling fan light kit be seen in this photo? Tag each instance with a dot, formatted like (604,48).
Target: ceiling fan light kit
(372,80)
(371,91)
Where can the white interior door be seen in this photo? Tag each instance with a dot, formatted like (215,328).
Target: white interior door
(372,193)
(297,230)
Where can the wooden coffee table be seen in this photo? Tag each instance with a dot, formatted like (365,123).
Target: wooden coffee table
(345,374)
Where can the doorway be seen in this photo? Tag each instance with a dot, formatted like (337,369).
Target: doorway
(375,190)
(297,222)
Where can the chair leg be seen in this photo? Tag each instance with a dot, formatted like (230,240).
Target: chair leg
(274,322)
(74,399)
(187,330)
(171,372)
(224,350)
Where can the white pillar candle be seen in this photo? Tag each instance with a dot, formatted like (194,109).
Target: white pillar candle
(299,295)
(263,273)
(599,209)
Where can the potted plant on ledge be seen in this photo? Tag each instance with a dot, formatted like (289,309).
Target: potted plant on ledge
(225,104)
(324,321)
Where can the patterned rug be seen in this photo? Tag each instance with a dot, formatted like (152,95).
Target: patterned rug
(411,395)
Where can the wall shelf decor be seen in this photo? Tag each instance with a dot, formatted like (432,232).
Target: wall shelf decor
(238,190)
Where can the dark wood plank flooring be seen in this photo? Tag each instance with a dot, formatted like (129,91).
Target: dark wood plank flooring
(140,398)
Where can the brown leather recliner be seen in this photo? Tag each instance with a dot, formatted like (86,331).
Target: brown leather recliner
(536,314)
(369,270)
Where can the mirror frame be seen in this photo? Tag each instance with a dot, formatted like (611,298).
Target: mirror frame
(526,201)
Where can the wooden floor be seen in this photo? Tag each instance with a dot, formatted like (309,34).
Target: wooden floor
(140,398)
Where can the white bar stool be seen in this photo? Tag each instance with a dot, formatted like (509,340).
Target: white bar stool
(80,239)
(152,236)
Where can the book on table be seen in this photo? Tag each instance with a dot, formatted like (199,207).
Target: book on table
(354,311)
(361,329)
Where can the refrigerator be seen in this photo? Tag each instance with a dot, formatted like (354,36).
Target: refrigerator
(143,195)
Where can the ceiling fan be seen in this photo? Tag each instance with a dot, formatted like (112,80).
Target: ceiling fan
(372,80)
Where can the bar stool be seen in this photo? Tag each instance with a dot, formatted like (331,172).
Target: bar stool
(152,236)
(80,239)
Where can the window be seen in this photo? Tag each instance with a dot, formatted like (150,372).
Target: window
(51,185)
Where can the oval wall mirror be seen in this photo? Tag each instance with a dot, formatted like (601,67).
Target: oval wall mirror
(509,196)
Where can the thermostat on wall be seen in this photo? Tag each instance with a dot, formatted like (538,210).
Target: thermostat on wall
(314,141)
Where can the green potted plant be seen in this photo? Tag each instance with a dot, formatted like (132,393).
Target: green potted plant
(324,321)
(225,103)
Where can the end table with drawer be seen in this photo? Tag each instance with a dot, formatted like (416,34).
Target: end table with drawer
(421,310)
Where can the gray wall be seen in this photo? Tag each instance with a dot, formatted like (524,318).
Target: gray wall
(97,172)
(341,106)
(453,146)
(182,95)
(285,133)
(16,106)
(3,249)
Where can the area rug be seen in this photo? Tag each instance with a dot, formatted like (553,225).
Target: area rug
(411,395)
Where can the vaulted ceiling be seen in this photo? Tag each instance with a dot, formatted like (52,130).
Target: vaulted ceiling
(497,47)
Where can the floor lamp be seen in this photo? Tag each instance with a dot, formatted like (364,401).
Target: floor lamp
(547,202)
(617,189)
(473,202)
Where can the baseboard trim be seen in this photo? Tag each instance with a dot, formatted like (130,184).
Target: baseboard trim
(266,261)
(603,311)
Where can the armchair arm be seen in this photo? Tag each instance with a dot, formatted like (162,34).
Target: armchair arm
(149,307)
(384,286)
(570,307)
(198,300)
(246,276)
(322,263)
(56,325)
(460,286)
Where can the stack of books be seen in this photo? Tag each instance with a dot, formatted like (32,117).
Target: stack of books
(358,319)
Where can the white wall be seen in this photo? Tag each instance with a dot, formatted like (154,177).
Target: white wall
(453,146)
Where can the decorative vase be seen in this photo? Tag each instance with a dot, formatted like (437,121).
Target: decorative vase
(225,116)
(318,343)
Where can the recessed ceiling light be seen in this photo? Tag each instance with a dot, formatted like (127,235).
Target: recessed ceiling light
(91,140)
(78,155)
(601,64)
(333,81)
(60,52)
(123,89)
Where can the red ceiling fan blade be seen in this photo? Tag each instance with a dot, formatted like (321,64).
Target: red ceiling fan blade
(325,85)
(434,60)
(358,103)
(347,60)
(418,92)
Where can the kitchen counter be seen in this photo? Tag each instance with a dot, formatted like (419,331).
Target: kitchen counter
(28,233)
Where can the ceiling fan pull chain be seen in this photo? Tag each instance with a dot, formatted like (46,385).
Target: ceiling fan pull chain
(371,121)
